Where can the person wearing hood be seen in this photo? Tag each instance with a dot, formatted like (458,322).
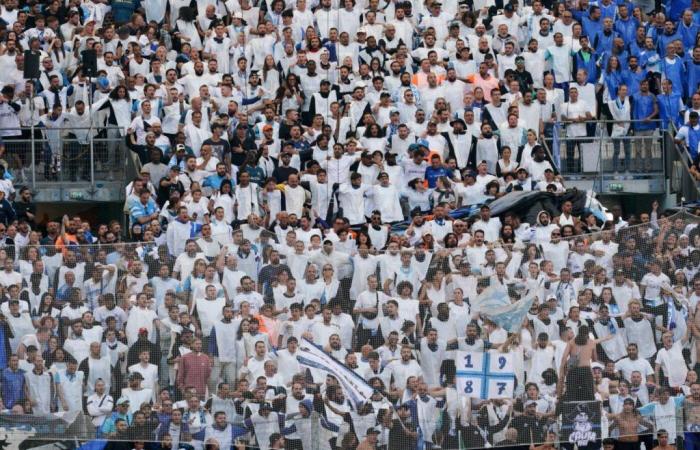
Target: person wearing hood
(265,423)
(542,231)
(302,426)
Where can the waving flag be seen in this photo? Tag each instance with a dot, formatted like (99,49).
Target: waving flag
(510,317)
(355,387)
(556,146)
(491,298)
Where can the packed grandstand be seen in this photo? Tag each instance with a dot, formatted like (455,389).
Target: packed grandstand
(350,227)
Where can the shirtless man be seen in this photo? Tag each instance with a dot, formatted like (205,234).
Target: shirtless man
(691,417)
(662,436)
(548,444)
(627,422)
(575,366)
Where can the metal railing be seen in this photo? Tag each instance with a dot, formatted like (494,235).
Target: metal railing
(610,160)
(681,181)
(40,155)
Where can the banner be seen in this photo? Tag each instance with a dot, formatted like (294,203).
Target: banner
(355,387)
(485,375)
(49,424)
(27,431)
(580,423)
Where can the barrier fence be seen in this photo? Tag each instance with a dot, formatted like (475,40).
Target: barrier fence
(69,154)
(41,155)
(511,390)
(615,161)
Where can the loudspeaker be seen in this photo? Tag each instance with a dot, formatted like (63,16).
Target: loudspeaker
(31,65)
(89,63)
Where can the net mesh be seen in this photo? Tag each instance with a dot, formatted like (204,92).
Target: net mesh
(630,288)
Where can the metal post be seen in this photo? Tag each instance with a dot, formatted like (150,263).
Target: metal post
(92,141)
(32,140)
(32,143)
(92,158)
(600,161)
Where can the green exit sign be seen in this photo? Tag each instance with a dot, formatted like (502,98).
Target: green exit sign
(615,187)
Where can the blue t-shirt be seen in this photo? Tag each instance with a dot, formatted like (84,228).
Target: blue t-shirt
(123,9)
(432,174)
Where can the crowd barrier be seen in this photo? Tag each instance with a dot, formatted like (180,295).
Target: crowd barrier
(37,155)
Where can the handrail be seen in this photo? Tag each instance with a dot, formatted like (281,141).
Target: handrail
(61,156)
(114,127)
(612,121)
(550,155)
(687,180)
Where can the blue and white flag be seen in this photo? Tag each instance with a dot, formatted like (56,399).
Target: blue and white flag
(490,299)
(354,386)
(510,317)
(485,375)
(556,146)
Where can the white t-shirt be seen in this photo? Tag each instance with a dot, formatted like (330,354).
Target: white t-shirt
(673,364)
(572,111)
(150,375)
(653,284)
(626,366)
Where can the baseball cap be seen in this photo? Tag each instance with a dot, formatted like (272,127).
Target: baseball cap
(122,401)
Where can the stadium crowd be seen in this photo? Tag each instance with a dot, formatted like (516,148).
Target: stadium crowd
(302,169)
